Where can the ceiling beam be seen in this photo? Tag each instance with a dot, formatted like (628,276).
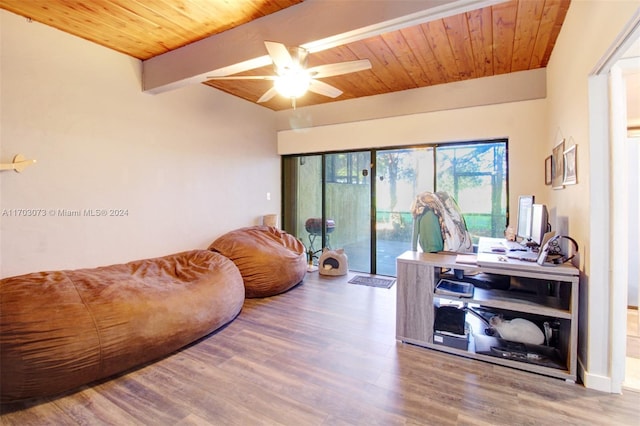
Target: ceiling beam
(314,24)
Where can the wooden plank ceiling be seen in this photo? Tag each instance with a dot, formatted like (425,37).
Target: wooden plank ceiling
(512,36)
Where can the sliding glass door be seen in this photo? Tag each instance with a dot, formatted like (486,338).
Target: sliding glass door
(364,198)
(334,189)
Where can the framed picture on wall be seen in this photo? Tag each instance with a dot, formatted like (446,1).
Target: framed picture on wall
(557,166)
(570,171)
(548,164)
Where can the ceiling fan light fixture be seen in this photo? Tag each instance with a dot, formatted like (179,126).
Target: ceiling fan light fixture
(293,79)
(292,83)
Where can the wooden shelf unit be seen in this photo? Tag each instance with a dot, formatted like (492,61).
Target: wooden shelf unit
(554,298)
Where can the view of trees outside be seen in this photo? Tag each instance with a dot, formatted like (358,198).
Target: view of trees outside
(475,175)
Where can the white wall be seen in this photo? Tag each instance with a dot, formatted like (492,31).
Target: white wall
(633,168)
(589,30)
(498,89)
(187,165)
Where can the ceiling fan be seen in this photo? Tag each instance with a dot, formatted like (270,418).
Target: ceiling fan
(293,78)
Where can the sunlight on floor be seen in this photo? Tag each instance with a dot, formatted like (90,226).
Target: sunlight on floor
(632,366)
(632,376)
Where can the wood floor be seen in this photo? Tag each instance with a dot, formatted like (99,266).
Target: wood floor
(632,367)
(324,353)
(633,334)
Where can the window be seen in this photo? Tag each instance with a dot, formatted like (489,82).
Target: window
(347,168)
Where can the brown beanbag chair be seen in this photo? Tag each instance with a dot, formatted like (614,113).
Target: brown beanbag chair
(63,329)
(270,260)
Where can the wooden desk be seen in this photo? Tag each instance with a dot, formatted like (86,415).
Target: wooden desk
(537,293)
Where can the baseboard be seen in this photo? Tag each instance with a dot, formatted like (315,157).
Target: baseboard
(595,381)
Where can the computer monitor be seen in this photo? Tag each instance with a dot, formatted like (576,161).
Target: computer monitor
(525,216)
(539,223)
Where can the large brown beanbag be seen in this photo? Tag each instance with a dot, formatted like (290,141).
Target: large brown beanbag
(62,329)
(270,260)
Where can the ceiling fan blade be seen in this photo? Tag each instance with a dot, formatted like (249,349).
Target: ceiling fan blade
(322,88)
(279,54)
(329,70)
(268,95)
(243,77)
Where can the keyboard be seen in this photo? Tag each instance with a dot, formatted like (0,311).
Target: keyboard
(513,245)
